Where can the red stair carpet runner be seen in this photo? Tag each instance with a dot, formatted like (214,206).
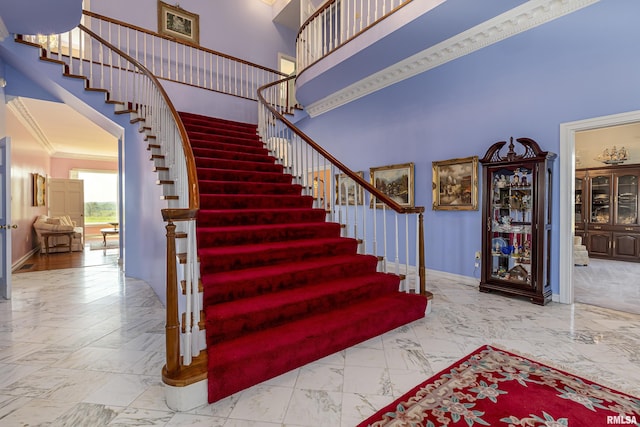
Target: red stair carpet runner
(281,287)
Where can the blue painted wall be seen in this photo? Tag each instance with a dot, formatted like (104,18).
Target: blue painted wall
(241,28)
(576,67)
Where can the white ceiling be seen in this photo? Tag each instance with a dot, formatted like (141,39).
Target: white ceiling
(60,130)
(591,143)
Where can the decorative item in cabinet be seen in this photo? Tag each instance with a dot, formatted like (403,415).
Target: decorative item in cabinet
(579,217)
(517,220)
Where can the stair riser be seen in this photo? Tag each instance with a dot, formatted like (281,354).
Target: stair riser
(202,149)
(243,176)
(225,324)
(221,128)
(230,187)
(265,255)
(221,219)
(222,237)
(223,201)
(231,155)
(197,138)
(197,119)
(231,286)
(238,165)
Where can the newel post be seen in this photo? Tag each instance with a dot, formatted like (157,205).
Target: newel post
(172,327)
(421,266)
(173,368)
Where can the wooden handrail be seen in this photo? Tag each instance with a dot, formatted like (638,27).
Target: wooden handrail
(194,192)
(183,42)
(315,14)
(355,35)
(361,181)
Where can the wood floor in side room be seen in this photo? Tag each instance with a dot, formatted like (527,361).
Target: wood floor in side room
(86,258)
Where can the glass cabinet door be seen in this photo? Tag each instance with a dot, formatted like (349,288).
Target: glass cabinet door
(510,229)
(627,198)
(600,199)
(578,201)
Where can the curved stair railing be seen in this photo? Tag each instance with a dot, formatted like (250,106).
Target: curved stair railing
(179,61)
(134,90)
(385,231)
(335,23)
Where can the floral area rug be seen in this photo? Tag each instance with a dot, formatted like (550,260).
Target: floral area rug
(493,387)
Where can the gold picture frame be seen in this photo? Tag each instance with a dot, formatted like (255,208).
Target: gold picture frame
(347,192)
(455,184)
(39,189)
(176,22)
(320,185)
(396,181)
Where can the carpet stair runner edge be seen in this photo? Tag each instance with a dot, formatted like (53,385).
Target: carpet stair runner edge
(282,287)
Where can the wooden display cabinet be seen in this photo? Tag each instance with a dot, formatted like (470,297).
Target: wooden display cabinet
(516,220)
(609,211)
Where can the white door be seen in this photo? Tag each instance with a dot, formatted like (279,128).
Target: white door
(287,65)
(66,197)
(5,219)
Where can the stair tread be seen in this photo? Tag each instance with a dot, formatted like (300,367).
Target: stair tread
(272,246)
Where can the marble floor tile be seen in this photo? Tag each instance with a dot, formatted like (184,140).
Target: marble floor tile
(85,347)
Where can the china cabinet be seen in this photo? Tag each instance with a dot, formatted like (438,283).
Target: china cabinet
(517,220)
(607,217)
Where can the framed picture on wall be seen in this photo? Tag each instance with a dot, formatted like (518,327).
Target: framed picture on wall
(319,182)
(176,22)
(347,192)
(396,181)
(39,185)
(455,184)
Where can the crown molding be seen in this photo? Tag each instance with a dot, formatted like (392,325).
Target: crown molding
(517,20)
(21,111)
(96,157)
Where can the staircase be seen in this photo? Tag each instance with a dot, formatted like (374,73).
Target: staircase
(281,287)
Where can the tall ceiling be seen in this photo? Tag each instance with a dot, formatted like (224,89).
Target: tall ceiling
(65,133)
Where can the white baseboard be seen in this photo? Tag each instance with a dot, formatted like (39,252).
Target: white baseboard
(19,263)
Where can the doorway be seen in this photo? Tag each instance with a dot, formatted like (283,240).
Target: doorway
(287,65)
(567,189)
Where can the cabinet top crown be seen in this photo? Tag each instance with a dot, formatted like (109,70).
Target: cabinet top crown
(532,151)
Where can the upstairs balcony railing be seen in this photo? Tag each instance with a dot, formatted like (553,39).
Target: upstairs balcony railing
(335,23)
(180,61)
(383,227)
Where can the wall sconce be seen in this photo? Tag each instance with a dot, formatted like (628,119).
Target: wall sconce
(3,82)
(613,156)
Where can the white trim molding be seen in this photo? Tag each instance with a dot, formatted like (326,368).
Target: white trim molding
(517,20)
(21,111)
(567,188)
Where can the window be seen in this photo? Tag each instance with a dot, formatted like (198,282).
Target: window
(100,195)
